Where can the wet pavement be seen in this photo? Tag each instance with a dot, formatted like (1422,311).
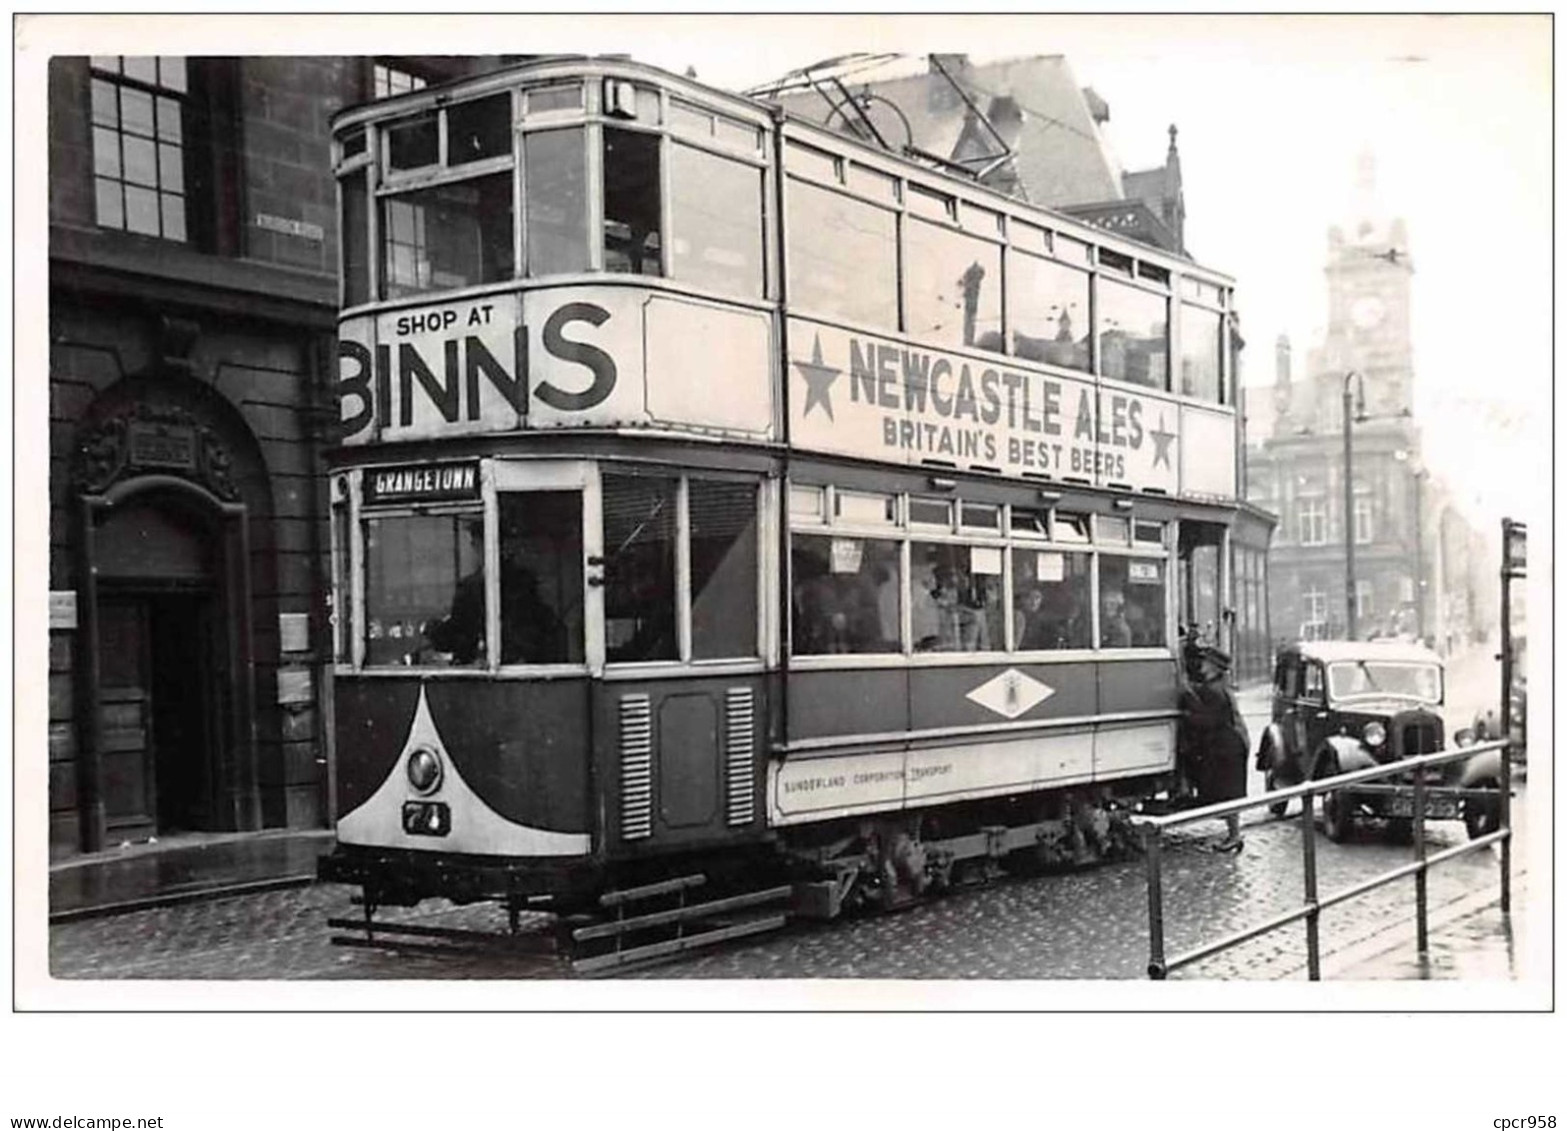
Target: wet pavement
(1083,924)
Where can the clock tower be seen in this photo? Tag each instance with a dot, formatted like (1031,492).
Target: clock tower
(1369,273)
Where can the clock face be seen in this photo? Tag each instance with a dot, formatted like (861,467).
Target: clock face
(1367,312)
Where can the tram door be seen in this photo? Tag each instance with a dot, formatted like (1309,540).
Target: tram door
(1201,582)
(546,564)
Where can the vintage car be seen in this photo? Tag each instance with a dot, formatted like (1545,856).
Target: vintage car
(1340,706)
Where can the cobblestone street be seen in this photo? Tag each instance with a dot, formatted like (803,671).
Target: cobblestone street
(1084,924)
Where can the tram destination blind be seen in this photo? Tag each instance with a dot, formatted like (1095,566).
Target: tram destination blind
(422,482)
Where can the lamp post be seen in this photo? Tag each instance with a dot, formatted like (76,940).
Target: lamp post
(1417,475)
(1354,406)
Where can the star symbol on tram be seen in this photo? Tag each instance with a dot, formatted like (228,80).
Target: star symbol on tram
(818,381)
(1161,443)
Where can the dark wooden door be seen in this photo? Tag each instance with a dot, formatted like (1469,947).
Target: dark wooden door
(125,698)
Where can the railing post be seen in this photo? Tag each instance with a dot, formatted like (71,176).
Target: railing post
(1422,939)
(1308,845)
(1506,823)
(1151,852)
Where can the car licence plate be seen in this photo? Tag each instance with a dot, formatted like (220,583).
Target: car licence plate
(1437,808)
(427,818)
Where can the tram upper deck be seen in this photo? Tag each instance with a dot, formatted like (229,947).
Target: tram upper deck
(582,244)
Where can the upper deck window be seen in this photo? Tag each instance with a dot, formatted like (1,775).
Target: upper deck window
(1201,350)
(633,243)
(413,143)
(555,201)
(843,256)
(450,236)
(479,129)
(715,217)
(550,99)
(1047,311)
(952,287)
(1133,334)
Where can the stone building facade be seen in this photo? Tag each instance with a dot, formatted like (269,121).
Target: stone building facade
(1417,561)
(192,298)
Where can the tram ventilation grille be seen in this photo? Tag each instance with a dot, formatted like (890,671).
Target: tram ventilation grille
(740,748)
(636,767)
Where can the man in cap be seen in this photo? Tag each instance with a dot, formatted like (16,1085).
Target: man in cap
(1212,738)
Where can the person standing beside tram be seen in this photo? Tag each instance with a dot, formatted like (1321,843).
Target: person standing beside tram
(1212,744)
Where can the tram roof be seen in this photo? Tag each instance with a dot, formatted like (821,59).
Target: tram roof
(503,78)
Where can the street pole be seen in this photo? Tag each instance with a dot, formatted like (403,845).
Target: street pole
(1420,570)
(1349,507)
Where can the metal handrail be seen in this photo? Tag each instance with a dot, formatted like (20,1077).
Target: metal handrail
(1310,911)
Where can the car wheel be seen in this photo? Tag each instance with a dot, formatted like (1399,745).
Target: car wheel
(1271,783)
(1337,820)
(1482,815)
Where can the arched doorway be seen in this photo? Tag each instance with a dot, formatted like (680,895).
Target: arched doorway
(166,652)
(163,651)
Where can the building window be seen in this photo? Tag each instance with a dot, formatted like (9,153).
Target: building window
(1364,530)
(1365,604)
(390,81)
(1311,516)
(138,119)
(1314,604)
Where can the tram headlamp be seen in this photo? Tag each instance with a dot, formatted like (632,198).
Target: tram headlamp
(1375,734)
(424,769)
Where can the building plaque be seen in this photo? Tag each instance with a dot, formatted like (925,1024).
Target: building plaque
(62,608)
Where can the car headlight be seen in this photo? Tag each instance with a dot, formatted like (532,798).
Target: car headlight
(424,769)
(1375,734)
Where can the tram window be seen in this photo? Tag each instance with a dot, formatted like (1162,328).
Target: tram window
(632,241)
(543,100)
(541,577)
(685,118)
(1131,602)
(723,570)
(847,594)
(1151,532)
(353,142)
(424,590)
(930,512)
(966,597)
(639,567)
(870,182)
(479,129)
(356,239)
(450,236)
(1070,250)
(555,201)
(1053,600)
(413,142)
(342,587)
(857,506)
(1201,346)
(1029,237)
(736,135)
(843,256)
(1133,326)
(1032,522)
(1070,526)
(1047,310)
(715,222)
(812,162)
(1113,530)
(981,516)
(936,205)
(952,292)
(807,503)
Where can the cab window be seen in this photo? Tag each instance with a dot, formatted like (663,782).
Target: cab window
(1314,683)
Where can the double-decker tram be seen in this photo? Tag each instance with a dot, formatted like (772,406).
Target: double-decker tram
(724,502)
